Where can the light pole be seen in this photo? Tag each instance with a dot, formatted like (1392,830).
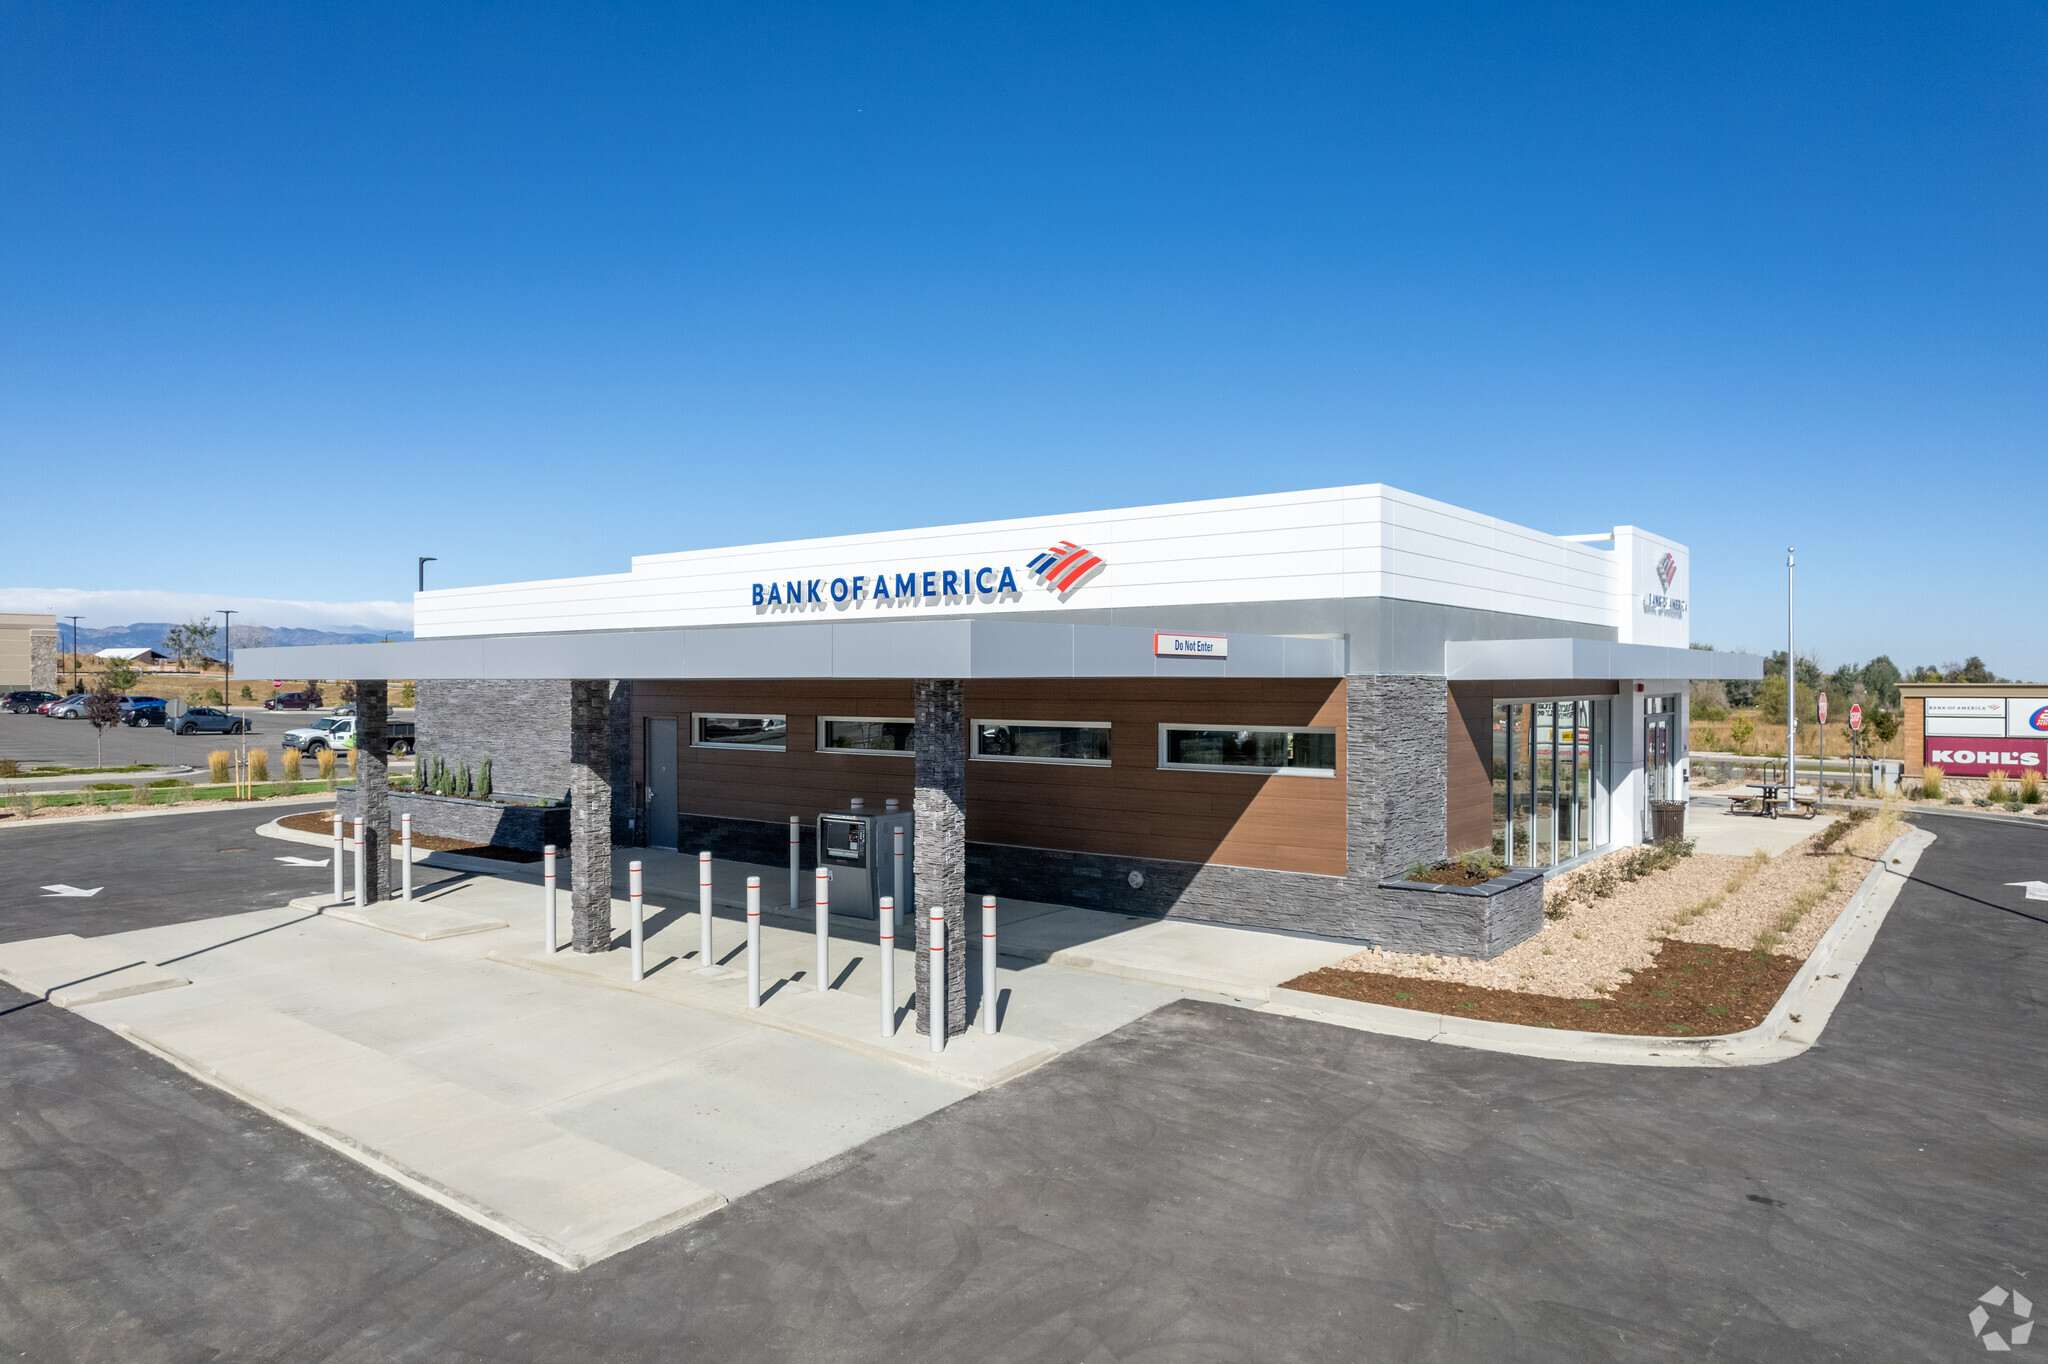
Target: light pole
(425,559)
(77,678)
(227,637)
(1791,693)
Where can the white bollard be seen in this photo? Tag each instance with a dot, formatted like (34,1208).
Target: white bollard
(359,864)
(547,898)
(405,843)
(703,909)
(899,900)
(795,855)
(889,806)
(753,942)
(639,917)
(935,980)
(888,967)
(340,897)
(988,963)
(824,926)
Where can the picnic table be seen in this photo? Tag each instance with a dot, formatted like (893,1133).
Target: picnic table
(1772,795)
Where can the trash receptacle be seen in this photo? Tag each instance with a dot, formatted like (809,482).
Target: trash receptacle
(1667,819)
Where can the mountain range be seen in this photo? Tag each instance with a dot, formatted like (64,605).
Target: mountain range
(150,635)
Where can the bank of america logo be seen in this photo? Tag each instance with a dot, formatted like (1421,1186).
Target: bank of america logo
(1667,571)
(1065,567)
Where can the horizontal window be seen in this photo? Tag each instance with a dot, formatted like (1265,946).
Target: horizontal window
(1293,752)
(766,732)
(865,734)
(1042,741)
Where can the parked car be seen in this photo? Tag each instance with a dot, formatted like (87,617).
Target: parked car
(22,702)
(146,710)
(348,708)
(207,720)
(50,707)
(293,700)
(73,707)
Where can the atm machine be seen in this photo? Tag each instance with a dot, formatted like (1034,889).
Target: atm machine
(858,847)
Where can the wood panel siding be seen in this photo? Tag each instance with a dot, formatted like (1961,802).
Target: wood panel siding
(1130,808)
(1469,773)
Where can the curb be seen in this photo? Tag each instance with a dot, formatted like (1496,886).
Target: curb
(195,808)
(1814,993)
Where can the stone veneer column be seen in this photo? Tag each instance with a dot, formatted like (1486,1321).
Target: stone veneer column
(373,785)
(626,832)
(941,843)
(590,815)
(1397,736)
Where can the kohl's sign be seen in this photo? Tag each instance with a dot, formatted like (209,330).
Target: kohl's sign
(1979,757)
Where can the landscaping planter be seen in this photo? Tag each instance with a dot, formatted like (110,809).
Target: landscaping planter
(527,826)
(1480,921)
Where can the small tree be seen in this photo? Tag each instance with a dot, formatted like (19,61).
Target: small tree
(103,709)
(192,640)
(120,674)
(483,779)
(348,693)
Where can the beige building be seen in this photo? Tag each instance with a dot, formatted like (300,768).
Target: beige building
(28,651)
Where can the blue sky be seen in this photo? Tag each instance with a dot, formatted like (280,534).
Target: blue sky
(564,284)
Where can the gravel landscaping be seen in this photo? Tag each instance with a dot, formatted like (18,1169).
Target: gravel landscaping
(1592,945)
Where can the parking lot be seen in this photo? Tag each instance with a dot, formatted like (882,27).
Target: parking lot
(1205,1183)
(38,739)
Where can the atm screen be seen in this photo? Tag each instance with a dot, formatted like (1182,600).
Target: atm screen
(842,838)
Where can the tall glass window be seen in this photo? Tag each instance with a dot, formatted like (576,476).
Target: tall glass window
(1549,789)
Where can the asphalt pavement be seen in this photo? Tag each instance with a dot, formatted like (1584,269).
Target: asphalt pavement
(1206,1184)
(155,869)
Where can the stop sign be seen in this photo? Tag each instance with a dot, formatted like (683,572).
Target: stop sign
(1822,701)
(1856,716)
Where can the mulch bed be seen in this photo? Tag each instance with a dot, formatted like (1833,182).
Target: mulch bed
(1454,876)
(1691,990)
(322,822)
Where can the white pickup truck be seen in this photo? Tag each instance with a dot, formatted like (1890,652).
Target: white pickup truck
(339,732)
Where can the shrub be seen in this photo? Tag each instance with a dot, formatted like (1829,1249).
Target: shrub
(259,765)
(462,783)
(407,696)
(326,761)
(292,762)
(213,696)
(9,768)
(247,695)
(1930,782)
(1707,710)
(1996,791)
(483,781)
(140,795)
(219,765)
(1742,731)
(1709,739)
(2030,787)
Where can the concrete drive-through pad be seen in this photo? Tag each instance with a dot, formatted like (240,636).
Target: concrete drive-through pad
(559,1194)
(1214,958)
(70,971)
(420,920)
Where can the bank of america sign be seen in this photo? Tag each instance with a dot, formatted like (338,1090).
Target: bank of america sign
(1063,570)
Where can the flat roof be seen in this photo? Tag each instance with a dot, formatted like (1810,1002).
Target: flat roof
(1506,660)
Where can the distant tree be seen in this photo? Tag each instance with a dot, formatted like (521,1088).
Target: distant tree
(1883,726)
(1881,681)
(348,693)
(103,709)
(1973,670)
(194,640)
(1770,701)
(120,674)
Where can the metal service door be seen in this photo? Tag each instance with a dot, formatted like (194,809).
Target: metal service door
(1657,756)
(662,831)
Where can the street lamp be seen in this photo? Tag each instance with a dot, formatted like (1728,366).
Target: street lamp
(425,559)
(77,678)
(1791,693)
(227,637)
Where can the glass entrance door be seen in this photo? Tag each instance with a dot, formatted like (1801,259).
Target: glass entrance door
(1657,765)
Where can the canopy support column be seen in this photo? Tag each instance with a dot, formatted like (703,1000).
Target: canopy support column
(590,815)
(941,843)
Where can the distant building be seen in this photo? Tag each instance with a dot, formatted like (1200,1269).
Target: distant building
(28,651)
(145,656)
